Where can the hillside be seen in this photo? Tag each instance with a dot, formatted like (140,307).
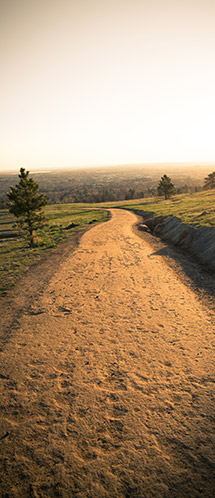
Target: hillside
(187,221)
(16,257)
(196,208)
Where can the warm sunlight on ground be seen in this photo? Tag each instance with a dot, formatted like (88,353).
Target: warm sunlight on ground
(108,373)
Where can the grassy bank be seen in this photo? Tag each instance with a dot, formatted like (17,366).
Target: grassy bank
(15,255)
(195,208)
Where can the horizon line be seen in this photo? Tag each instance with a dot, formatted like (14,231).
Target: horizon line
(45,169)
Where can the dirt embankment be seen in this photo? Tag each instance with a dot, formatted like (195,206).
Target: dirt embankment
(197,241)
(107,375)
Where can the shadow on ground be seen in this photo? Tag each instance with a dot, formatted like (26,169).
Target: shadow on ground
(201,279)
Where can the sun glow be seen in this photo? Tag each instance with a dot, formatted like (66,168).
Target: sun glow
(91,83)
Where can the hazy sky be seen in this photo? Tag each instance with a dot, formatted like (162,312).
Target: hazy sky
(93,82)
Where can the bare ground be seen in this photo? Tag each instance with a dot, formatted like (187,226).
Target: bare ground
(107,373)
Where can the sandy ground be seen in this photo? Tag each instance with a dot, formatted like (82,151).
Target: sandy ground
(107,375)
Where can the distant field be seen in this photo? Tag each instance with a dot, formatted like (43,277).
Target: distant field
(191,208)
(15,255)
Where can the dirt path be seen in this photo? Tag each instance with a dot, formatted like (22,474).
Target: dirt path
(107,379)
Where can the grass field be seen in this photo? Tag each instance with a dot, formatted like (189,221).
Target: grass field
(196,208)
(15,255)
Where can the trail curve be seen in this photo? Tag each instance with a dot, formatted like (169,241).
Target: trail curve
(107,379)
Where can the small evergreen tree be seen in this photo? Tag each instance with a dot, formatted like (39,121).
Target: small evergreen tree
(166,187)
(26,205)
(210,181)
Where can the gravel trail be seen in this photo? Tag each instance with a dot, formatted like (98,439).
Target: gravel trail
(108,378)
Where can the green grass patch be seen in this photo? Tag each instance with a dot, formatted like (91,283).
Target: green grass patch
(15,255)
(196,208)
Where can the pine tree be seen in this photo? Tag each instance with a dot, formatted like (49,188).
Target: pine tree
(210,181)
(166,187)
(26,205)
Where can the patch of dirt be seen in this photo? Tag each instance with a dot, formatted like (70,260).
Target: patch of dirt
(34,281)
(198,241)
(190,271)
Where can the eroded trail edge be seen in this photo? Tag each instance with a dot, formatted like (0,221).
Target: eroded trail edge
(107,379)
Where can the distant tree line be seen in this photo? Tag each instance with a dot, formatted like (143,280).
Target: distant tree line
(96,187)
(112,194)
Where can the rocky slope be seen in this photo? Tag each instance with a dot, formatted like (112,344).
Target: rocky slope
(197,241)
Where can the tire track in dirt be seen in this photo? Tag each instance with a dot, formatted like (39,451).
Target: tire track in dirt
(107,379)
